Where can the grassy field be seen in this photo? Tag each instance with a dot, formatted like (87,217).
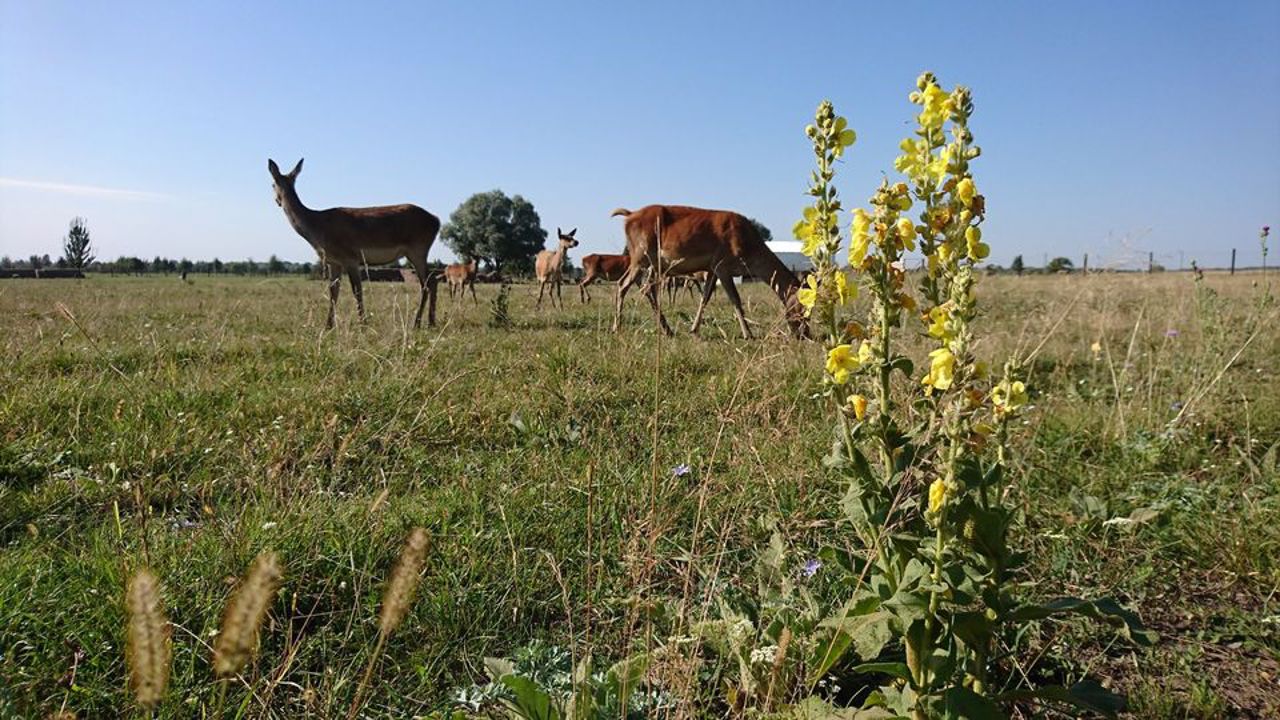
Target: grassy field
(190,426)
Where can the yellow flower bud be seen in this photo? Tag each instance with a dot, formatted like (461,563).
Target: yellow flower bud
(859,404)
(965,191)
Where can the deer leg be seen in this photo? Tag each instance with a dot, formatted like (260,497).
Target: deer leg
(582,292)
(651,292)
(732,292)
(542,285)
(420,267)
(559,296)
(707,290)
(354,275)
(623,286)
(474,299)
(335,284)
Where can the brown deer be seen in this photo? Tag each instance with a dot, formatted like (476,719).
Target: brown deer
(681,240)
(598,266)
(549,265)
(348,238)
(459,276)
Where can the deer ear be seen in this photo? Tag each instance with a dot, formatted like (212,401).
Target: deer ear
(559,232)
(571,232)
(273,167)
(296,169)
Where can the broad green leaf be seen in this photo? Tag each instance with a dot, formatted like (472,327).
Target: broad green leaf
(827,653)
(498,667)
(530,701)
(868,633)
(625,676)
(895,669)
(1128,623)
(961,703)
(1086,694)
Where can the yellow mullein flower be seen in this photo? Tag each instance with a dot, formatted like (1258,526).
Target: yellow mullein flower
(1008,397)
(940,325)
(808,295)
(859,404)
(1096,349)
(841,362)
(965,191)
(907,233)
(806,231)
(978,250)
(866,353)
(845,292)
(937,496)
(937,107)
(908,163)
(942,365)
(860,240)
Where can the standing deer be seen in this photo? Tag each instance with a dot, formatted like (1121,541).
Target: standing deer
(549,265)
(597,266)
(348,238)
(459,276)
(676,239)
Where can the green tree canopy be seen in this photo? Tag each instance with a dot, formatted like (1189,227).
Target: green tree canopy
(76,248)
(1017,265)
(504,231)
(1059,264)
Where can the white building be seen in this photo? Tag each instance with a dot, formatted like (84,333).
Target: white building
(788,251)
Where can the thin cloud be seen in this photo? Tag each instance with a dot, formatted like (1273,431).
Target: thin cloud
(72,189)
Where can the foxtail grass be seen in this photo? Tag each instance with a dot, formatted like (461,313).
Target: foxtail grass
(148,646)
(242,621)
(396,601)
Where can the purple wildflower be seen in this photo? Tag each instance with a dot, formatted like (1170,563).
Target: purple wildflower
(811,568)
(1171,333)
(681,470)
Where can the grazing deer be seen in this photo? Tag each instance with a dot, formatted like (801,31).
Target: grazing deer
(348,238)
(676,283)
(549,265)
(676,239)
(601,267)
(459,276)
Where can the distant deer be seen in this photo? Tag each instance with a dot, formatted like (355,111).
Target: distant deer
(348,238)
(601,267)
(459,276)
(549,265)
(676,283)
(676,239)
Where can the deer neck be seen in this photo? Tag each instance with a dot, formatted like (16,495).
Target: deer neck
(301,217)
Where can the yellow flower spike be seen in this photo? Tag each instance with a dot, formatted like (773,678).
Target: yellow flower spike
(937,496)
(937,107)
(1008,397)
(965,191)
(859,404)
(841,362)
(940,323)
(942,364)
(808,296)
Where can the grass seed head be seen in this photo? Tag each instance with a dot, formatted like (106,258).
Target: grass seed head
(238,638)
(404,580)
(147,646)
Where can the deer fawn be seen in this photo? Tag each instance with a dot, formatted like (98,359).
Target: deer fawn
(549,265)
(461,275)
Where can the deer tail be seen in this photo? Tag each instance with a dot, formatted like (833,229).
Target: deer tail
(620,211)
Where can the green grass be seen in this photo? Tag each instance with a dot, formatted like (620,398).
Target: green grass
(190,426)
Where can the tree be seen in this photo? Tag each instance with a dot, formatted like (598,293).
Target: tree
(76,247)
(275,266)
(1016,266)
(1059,264)
(505,231)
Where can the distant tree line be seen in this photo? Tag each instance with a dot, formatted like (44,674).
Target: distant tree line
(130,265)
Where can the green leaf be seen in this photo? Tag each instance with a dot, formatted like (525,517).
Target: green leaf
(827,653)
(1127,622)
(961,703)
(625,676)
(498,667)
(1086,694)
(868,633)
(973,628)
(530,701)
(894,669)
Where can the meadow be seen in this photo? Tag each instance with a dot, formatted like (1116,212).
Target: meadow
(582,489)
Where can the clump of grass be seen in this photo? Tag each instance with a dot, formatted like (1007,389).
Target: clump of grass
(148,645)
(500,307)
(396,601)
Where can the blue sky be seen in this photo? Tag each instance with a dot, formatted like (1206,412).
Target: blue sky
(1108,128)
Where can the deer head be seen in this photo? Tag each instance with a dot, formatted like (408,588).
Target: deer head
(567,241)
(282,183)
